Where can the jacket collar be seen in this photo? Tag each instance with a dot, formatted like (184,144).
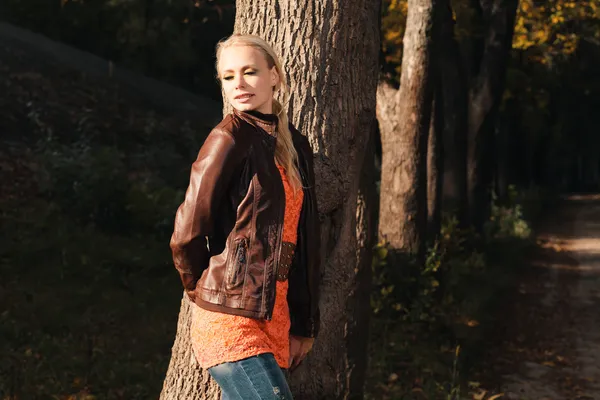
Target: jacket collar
(268,122)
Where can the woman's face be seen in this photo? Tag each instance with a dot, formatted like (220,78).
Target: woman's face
(247,79)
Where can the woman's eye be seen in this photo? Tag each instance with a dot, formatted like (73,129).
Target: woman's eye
(227,78)
(250,72)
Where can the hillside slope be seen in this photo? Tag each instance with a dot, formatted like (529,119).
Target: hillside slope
(91,174)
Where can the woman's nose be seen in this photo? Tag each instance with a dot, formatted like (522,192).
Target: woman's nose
(239,82)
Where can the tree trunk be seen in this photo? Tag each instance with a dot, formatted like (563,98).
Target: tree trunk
(360,306)
(502,156)
(435,143)
(455,107)
(485,95)
(435,168)
(404,116)
(333,103)
(185,379)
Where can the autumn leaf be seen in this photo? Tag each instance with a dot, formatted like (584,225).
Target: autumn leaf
(549,364)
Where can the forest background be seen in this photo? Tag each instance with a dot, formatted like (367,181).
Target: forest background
(101,169)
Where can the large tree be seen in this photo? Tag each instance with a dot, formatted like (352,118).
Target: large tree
(404,116)
(329,50)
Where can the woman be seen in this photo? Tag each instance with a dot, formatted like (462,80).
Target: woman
(246,238)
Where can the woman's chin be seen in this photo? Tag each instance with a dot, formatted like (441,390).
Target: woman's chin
(250,106)
(244,106)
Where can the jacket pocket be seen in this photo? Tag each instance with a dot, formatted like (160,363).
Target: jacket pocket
(236,268)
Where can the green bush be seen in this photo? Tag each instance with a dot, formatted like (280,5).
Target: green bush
(430,322)
(507,220)
(104,187)
(89,184)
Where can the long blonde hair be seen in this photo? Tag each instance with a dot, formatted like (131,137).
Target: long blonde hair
(285,152)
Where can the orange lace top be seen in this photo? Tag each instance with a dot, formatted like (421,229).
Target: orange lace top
(217,337)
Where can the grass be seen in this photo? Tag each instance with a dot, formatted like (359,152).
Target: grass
(83,314)
(91,175)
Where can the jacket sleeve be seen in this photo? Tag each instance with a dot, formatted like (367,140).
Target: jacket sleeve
(194,221)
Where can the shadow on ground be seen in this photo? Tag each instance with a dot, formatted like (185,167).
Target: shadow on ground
(551,342)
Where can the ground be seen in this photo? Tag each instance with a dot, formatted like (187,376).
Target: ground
(551,348)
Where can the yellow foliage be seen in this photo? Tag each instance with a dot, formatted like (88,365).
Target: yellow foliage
(548,28)
(393,24)
(392,36)
(544,31)
(399,5)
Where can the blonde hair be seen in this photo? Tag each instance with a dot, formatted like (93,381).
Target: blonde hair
(285,152)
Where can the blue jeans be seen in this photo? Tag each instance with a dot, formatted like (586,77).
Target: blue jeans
(254,378)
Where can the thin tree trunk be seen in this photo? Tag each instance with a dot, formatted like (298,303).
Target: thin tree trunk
(455,107)
(485,95)
(502,161)
(360,306)
(333,103)
(404,116)
(435,143)
(435,168)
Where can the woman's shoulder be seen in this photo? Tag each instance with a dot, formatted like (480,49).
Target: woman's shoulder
(229,124)
(232,127)
(226,138)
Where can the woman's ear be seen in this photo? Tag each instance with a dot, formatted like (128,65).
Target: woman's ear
(274,77)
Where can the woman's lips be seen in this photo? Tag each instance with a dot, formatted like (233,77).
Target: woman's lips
(242,98)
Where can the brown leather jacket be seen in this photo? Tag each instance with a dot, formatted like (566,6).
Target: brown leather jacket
(228,231)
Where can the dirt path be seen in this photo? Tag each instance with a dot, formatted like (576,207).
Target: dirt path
(553,345)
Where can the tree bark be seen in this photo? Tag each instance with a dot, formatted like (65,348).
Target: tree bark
(455,107)
(333,103)
(404,116)
(435,143)
(185,380)
(485,95)
(502,156)
(359,305)
(435,168)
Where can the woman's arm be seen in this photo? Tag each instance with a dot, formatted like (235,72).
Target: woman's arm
(194,221)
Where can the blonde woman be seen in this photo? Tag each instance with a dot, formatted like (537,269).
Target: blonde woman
(246,238)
